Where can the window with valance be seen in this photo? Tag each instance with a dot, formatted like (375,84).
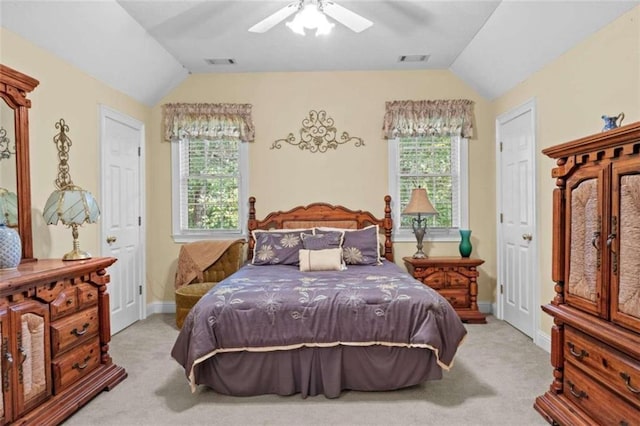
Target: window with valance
(209,157)
(428,149)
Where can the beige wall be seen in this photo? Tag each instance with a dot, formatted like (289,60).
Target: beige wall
(599,76)
(353,177)
(64,92)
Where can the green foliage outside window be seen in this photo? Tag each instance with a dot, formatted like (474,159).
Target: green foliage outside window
(429,162)
(211,177)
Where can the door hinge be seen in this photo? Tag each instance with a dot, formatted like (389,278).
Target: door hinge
(140,290)
(139,220)
(139,151)
(501,218)
(501,289)
(500,146)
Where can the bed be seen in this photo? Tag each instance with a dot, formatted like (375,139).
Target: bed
(281,326)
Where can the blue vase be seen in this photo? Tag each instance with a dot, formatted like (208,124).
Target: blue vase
(10,248)
(465,242)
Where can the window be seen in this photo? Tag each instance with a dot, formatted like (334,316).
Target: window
(209,188)
(439,164)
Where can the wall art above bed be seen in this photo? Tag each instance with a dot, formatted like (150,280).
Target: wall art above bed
(318,134)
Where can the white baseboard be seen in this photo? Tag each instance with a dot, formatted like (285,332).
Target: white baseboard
(543,340)
(486,307)
(161,308)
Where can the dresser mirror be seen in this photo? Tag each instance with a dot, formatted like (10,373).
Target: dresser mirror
(14,163)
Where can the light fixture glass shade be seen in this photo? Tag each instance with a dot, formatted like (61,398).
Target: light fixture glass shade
(72,206)
(8,207)
(419,204)
(310,17)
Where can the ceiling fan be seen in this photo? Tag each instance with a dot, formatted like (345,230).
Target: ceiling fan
(311,14)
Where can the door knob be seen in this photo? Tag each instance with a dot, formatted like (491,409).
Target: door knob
(111,239)
(527,237)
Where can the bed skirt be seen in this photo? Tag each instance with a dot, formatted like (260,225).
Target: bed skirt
(314,371)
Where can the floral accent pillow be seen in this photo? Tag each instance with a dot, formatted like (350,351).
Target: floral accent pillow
(279,247)
(359,246)
(321,241)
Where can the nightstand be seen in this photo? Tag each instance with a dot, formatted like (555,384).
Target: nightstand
(455,278)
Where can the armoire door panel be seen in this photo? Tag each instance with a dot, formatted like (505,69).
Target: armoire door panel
(585,239)
(625,244)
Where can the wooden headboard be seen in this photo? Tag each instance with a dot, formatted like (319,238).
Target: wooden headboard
(322,214)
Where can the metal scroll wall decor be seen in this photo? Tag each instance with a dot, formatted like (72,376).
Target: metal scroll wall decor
(318,134)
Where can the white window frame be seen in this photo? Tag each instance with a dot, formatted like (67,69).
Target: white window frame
(449,234)
(180,235)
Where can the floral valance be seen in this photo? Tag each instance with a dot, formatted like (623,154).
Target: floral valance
(213,121)
(439,117)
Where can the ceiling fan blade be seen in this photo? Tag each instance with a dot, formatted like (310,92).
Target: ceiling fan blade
(346,17)
(271,21)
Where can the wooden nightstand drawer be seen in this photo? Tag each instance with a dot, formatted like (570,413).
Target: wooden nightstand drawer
(436,281)
(457,298)
(589,394)
(73,330)
(615,369)
(457,280)
(74,365)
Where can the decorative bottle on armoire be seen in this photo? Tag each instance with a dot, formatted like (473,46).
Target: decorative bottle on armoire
(595,339)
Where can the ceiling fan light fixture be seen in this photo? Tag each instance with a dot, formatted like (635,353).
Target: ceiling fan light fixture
(310,17)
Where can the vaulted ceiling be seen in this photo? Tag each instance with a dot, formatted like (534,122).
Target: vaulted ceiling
(146,48)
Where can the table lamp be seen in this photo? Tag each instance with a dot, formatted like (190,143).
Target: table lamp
(419,205)
(69,203)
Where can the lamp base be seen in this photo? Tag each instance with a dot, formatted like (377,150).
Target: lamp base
(419,255)
(76,254)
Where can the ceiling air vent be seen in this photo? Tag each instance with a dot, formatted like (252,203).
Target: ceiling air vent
(413,58)
(220,61)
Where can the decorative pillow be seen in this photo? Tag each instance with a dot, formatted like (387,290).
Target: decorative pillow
(360,246)
(320,260)
(279,247)
(324,240)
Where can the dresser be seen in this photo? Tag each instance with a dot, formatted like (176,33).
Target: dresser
(54,334)
(455,278)
(595,338)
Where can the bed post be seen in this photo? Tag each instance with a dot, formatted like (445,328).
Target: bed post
(388,227)
(251,226)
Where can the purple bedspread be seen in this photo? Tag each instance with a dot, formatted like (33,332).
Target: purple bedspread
(277,307)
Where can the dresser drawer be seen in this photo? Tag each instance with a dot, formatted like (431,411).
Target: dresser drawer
(457,298)
(616,369)
(65,303)
(598,401)
(75,364)
(87,295)
(73,330)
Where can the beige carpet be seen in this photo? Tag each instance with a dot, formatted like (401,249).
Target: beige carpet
(497,375)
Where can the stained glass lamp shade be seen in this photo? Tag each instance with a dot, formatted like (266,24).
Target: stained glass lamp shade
(72,206)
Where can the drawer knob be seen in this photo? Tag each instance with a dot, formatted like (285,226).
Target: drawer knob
(77,333)
(579,395)
(578,355)
(627,382)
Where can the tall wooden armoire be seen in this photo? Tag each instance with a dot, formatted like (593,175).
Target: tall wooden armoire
(595,339)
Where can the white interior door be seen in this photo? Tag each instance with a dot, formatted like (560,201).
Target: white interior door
(517,279)
(122,139)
